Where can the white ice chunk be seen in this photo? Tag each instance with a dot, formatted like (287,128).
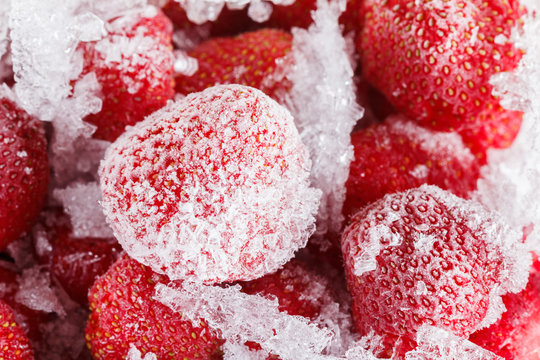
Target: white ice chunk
(81,203)
(259,10)
(324,106)
(185,64)
(36,293)
(435,343)
(242,317)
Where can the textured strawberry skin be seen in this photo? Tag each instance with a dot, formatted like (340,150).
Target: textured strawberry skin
(124,312)
(248,59)
(137,83)
(433,60)
(24,171)
(516,335)
(14,344)
(439,270)
(391,157)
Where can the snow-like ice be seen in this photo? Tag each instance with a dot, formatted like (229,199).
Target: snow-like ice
(324,106)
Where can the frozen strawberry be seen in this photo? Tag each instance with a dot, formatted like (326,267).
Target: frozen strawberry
(425,256)
(24,170)
(211,188)
(433,59)
(398,155)
(125,313)
(249,59)
(77,263)
(517,334)
(134,66)
(14,344)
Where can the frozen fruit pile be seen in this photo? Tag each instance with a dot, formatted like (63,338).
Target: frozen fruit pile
(269,179)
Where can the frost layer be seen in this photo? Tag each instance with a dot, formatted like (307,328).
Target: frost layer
(211,188)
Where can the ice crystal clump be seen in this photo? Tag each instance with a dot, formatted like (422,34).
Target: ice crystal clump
(36,293)
(324,106)
(435,343)
(242,317)
(81,203)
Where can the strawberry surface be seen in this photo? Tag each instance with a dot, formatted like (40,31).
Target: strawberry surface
(249,59)
(422,256)
(133,64)
(214,187)
(398,155)
(14,344)
(124,313)
(24,170)
(434,60)
(517,334)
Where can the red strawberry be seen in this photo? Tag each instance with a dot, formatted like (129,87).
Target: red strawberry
(134,65)
(124,313)
(24,170)
(14,344)
(424,256)
(516,335)
(433,60)
(212,188)
(248,59)
(398,155)
(77,263)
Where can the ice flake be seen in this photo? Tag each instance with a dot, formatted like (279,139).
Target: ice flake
(135,354)
(324,106)
(438,344)
(259,10)
(242,317)
(36,293)
(81,203)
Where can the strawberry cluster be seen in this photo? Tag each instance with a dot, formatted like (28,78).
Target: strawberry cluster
(205,182)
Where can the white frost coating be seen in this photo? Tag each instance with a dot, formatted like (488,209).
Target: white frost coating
(242,317)
(324,106)
(510,183)
(4,18)
(81,203)
(135,354)
(435,343)
(36,293)
(236,213)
